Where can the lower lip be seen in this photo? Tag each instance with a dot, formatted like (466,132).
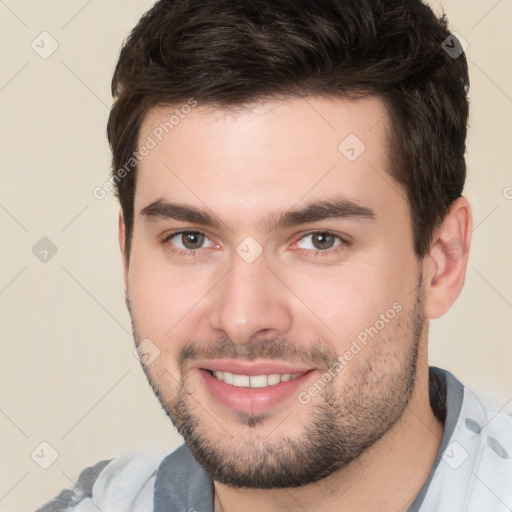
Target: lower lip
(253,400)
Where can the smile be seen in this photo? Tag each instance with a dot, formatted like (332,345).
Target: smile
(254,381)
(253,387)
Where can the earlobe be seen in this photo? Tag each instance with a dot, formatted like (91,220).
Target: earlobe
(445,266)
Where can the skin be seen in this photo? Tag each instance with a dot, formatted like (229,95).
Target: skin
(250,164)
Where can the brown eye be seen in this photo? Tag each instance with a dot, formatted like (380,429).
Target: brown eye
(323,241)
(190,240)
(319,241)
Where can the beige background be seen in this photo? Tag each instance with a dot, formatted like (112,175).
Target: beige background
(68,374)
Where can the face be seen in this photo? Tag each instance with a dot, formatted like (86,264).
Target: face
(273,282)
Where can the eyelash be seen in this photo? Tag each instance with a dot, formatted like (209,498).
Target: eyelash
(344,244)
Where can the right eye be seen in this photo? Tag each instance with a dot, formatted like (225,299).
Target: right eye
(187,242)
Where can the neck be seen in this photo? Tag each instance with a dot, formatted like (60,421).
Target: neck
(387,476)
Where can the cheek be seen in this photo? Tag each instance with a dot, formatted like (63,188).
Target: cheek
(341,297)
(344,302)
(165,300)
(161,308)
(157,303)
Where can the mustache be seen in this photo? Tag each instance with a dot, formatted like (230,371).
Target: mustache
(278,349)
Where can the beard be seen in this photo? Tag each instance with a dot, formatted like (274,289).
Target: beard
(348,416)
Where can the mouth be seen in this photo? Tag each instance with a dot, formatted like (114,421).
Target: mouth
(253,387)
(253,381)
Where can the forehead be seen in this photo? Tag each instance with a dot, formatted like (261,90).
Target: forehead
(270,155)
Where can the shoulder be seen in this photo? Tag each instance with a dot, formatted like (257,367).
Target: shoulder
(490,419)
(475,470)
(126,480)
(182,484)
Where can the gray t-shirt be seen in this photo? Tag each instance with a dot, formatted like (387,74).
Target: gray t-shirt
(472,470)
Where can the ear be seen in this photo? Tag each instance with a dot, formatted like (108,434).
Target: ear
(122,245)
(444,268)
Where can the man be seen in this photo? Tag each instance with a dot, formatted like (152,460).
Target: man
(290,177)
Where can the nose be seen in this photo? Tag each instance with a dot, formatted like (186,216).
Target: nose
(250,302)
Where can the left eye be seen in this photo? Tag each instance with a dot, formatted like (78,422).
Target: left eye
(190,240)
(320,241)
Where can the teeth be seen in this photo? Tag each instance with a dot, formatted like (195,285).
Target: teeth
(258,381)
(273,378)
(254,381)
(241,380)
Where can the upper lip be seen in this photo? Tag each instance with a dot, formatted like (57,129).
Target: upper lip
(250,368)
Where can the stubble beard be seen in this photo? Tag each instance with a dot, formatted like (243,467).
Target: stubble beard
(342,424)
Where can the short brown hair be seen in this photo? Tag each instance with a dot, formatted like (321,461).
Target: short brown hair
(232,52)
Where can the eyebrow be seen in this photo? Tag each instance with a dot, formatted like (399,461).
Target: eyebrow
(336,208)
